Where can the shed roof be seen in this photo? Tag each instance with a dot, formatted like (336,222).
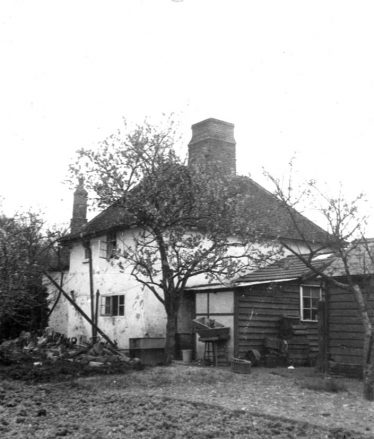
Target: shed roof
(290,267)
(360,258)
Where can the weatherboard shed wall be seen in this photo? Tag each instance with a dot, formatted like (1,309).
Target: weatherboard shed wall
(345,330)
(259,309)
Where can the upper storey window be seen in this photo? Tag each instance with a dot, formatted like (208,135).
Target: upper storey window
(109,246)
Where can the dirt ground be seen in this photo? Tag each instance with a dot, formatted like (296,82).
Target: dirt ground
(186,402)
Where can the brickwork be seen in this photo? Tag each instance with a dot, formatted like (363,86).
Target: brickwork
(79,218)
(213,143)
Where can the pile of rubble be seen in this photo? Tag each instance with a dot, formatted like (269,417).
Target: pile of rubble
(51,348)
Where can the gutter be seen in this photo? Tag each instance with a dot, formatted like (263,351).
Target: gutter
(236,285)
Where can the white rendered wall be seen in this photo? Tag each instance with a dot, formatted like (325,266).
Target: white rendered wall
(109,280)
(144,314)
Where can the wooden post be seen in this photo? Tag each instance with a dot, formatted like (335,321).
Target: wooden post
(235,327)
(322,363)
(92,297)
(97,306)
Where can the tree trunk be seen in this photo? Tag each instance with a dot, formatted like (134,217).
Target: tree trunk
(368,370)
(171,330)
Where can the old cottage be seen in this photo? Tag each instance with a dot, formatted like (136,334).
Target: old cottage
(126,310)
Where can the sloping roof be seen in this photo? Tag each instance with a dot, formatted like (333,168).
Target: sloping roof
(273,218)
(263,209)
(290,267)
(113,217)
(360,260)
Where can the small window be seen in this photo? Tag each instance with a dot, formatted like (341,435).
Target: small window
(108,247)
(111,245)
(86,252)
(113,305)
(310,296)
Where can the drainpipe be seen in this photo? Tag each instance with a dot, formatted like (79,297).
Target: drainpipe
(97,306)
(92,294)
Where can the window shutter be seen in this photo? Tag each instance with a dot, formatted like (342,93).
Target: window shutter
(121,305)
(102,249)
(102,306)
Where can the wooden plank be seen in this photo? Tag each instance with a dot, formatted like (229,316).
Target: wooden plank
(259,324)
(344,321)
(344,313)
(347,351)
(356,328)
(249,337)
(343,306)
(349,370)
(273,317)
(347,359)
(358,343)
(271,310)
(270,305)
(341,295)
(268,297)
(254,300)
(340,335)
(260,299)
(265,332)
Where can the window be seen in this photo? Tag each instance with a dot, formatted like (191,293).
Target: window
(87,252)
(113,305)
(309,296)
(108,247)
(111,244)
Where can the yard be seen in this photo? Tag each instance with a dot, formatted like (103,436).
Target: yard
(187,402)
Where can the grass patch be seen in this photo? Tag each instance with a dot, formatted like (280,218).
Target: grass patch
(330,385)
(167,376)
(60,370)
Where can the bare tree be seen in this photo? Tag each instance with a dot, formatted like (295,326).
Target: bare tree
(184,222)
(24,253)
(345,223)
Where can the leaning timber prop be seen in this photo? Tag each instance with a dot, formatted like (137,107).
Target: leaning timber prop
(79,309)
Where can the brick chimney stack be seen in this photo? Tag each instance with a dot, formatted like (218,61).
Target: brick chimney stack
(213,142)
(79,218)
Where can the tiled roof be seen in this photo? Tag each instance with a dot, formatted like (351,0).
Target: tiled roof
(263,210)
(360,260)
(272,217)
(290,267)
(360,263)
(114,217)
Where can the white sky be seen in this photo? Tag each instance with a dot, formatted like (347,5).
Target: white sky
(293,76)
